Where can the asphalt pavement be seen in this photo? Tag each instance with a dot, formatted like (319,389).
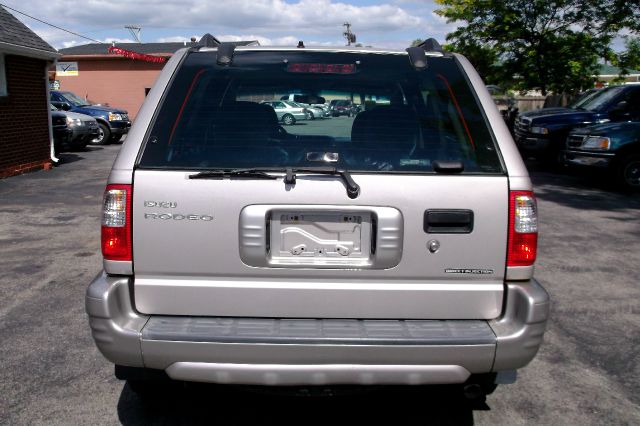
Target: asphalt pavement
(587,372)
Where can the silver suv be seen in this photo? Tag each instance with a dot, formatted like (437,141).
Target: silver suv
(393,247)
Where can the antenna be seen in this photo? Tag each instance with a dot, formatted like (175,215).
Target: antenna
(135,31)
(351,37)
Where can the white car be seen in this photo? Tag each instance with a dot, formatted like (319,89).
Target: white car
(288,112)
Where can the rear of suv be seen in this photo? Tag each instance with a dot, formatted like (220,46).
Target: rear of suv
(395,247)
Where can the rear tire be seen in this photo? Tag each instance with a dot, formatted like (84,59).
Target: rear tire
(104,135)
(288,119)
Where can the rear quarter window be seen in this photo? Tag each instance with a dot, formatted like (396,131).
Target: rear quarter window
(399,120)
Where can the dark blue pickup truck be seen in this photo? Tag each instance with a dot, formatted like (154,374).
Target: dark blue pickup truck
(543,133)
(614,147)
(112,122)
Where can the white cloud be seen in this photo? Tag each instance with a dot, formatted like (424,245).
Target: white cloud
(271,22)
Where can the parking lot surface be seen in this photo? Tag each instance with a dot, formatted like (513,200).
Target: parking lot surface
(587,372)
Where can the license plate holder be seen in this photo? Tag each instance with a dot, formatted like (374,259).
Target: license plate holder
(320,238)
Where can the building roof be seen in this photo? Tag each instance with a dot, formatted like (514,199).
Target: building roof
(606,69)
(13,32)
(147,48)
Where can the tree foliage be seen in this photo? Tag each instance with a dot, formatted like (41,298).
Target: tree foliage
(541,44)
(628,59)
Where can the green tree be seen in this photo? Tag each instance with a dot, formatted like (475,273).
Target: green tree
(484,58)
(628,59)
(547,45)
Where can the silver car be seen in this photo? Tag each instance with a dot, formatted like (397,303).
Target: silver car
(313,111)
(288,112)
(396,248)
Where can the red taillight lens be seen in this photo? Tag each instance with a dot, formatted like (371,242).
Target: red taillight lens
(116,223)
(523,229)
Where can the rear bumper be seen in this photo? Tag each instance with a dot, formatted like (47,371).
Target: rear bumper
(264,351)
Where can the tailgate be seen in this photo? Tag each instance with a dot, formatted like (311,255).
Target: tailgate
(410,246)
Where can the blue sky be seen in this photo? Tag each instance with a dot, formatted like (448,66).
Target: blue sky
(391,23)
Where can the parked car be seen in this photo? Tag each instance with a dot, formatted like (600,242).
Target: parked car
(315,104)
(59,127)
(313,112)
(614,147)
(326,110)
(72,130)
(543,133)
(241,253)
(288,113)
(113,123)
(342,107)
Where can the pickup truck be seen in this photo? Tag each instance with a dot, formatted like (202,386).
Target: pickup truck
(542,133)
(113,123)
(611,147)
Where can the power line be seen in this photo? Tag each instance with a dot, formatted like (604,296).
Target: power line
(51,25)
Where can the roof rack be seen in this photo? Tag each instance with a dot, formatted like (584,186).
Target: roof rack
(225,53)
(431,45)
(208,40)
(417,54)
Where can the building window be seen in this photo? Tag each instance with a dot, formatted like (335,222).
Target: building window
(3,77)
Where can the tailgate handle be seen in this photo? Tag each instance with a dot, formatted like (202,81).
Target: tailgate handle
(448,221)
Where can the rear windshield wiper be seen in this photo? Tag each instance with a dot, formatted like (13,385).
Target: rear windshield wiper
(233,174)
(353,189)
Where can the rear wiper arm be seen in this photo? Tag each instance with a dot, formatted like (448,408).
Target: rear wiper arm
(353,189)
(233,174)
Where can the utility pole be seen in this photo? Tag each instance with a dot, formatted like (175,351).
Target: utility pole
(351,37)
(135,31)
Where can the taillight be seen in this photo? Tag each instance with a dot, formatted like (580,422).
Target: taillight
(523,229)
(116,223)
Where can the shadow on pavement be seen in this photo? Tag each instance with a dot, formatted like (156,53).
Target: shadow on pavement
(581,189)
(68,158)
(207,404)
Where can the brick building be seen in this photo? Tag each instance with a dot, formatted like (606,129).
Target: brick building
(25,119)
(91,72)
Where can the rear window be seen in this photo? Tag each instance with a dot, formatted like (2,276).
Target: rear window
(240,116)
